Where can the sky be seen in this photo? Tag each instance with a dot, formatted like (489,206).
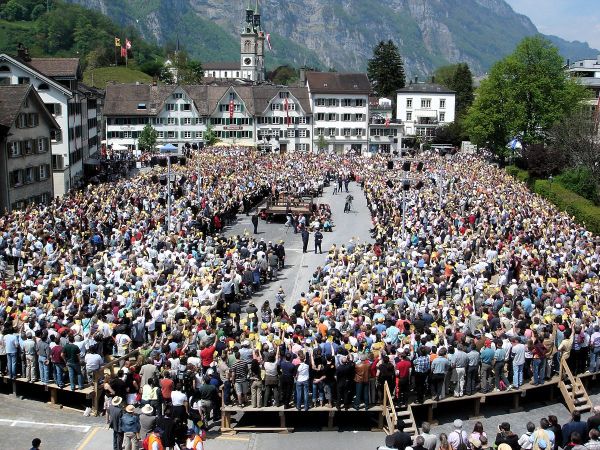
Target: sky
(574,20)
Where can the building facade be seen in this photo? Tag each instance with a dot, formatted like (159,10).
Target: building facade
(385,132)
(73,105)
(423,107)
(587,73)
(26,127)
(340,105)
(273,118)
(251,65)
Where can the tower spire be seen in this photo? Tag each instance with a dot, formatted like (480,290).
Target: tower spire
(256,8)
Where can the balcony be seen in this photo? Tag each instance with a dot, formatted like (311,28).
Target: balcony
(380,121)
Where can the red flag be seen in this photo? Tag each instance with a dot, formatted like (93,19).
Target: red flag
(387,122)
(123,52)
(231,106)
(287,111)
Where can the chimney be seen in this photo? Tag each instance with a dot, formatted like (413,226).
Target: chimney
(416,80)
(154,82)
(302,75)
(23,52)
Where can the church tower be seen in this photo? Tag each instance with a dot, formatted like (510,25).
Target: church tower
(252,52)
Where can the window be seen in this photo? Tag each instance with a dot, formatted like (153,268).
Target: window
(333,102)
(186,107)
(22,121)
(332,132)
(409,102)
(171,121)
(160,134)
(320,102)
(360,132)
(199,121)
(302,133)
(186,121)
(28,147)
(4,69)
(177,95)
(408,115)
(33,120)
(23,80)
(55,135)
(275,106)
(171,107)
(320,116)
(346,117)
(58,162)
(171,134)
(199,135)
(43,87)
(187,134)
(302,120)
(44,172)
(442,117)
(291,133)
(359,117)
(43,145)
(284,94)
(425,103)
(320,131)
(359,102)
(291,106)
(347,132)
(29,175)
(347,102)
(277,120)
(126,134)
(54,108)
(14,149)
(332,116)
(141,106)
(442,103)
(16,178)
(301,147)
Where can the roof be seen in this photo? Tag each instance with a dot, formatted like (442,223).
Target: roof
(123,99)
(221,65)
(56,67)
(427,88)
(338,83)
(28,68)
(11,103)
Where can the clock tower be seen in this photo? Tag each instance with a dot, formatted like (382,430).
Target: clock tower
(252,52)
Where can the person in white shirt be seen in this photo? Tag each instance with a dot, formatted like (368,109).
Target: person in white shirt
(302,374)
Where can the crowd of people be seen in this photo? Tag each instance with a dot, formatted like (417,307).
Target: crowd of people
(547,434)
(488,286)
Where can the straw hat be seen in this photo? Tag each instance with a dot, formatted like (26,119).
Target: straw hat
(116,401)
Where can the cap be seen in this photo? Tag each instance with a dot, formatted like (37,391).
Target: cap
(458,423)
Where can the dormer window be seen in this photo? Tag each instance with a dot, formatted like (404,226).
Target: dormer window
(141,106)
(4,69)
(43,87)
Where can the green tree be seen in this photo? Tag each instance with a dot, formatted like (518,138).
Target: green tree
(210,137)
(386,70)
(459,78)
(525,94)
(284,75)
(322,143)
(148,138)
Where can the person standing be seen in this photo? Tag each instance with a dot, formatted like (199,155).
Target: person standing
(113,417)
(439,367)
(305,237)
(147,421)
(361,382)
(255,222)
(43,353)
(36,443)
(318,241)
(130,427)
(302,375)
(28,347)
(421,367)
(58,362)
(70,354)
(518,351)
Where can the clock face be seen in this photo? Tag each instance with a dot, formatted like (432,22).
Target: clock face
(247,61)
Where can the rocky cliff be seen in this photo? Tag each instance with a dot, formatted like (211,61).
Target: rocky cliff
(340,34)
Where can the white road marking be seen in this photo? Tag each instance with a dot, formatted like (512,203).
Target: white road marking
(13,423)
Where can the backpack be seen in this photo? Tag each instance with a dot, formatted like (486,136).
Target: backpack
(461,442)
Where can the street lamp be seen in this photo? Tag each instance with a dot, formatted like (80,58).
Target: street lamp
(168,150)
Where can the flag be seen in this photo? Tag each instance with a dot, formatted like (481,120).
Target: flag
(286,107)
(123,52)
(387,122)
(269,41)
(231,107)
(127,44)
(117,42)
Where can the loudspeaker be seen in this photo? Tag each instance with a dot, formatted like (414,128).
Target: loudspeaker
(406,166)
(390,165)
(420,167)
(182,161)
(182,180)
(162,201)
(162,162)
(389,184)
(153,161)
(154,179)
(419,185)
(406,185)
(163,181)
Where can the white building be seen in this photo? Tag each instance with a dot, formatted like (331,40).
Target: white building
(385,132)
(73,106)
(340,106)
(274,118)
(423,107)
(251,65)
(587,73)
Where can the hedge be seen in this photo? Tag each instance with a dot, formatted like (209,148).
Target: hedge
(584,211)
(519,174)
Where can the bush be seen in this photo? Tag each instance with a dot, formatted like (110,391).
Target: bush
(519,174)
(580,181)
(583,210)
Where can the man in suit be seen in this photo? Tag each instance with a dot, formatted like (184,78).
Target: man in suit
(255,222)
(318,240)
(305,236)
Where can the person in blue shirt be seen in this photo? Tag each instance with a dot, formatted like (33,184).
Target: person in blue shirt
(12,341)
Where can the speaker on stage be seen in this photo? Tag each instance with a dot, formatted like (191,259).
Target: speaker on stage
(390,165)
(163,180)
(182,161)
(162,162)
(406,185)
(406,166)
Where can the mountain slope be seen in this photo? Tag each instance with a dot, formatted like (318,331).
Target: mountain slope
(339,33)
